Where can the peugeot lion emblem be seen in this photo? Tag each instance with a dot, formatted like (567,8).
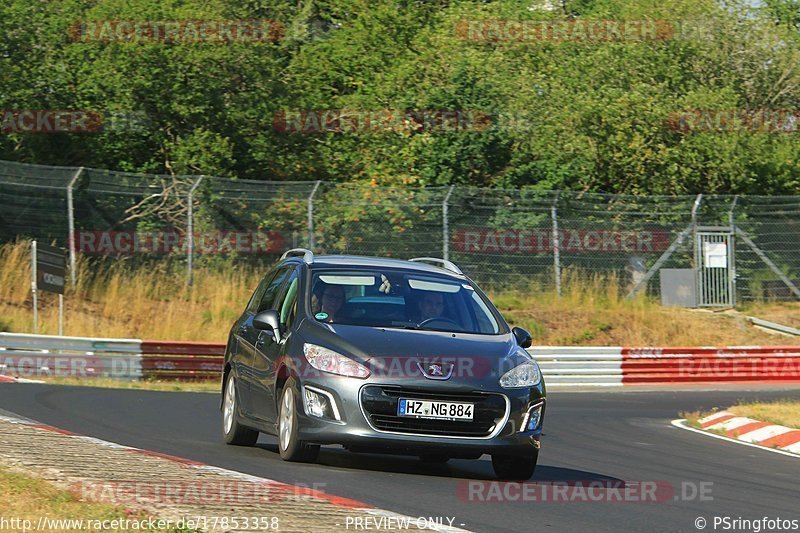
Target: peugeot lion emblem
(436,370)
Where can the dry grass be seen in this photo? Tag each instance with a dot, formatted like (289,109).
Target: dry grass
(27,498)
(693,417)
(212,385)
(784,412)
(594,311)
(693,420)
(787,313)
(118,301)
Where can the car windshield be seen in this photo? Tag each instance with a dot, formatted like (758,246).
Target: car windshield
(396,299)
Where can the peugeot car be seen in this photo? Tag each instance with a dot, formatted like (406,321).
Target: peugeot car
(381,355)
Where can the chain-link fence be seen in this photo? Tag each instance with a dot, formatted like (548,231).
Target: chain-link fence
(499,237)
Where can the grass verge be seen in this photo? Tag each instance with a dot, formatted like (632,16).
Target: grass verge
(26,497)
(154,385)
(785,412)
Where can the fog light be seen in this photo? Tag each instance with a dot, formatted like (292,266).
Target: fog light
(316,405)
(532,418)
(320,404)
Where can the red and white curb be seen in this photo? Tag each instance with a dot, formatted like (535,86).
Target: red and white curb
(770,437)
(277,486)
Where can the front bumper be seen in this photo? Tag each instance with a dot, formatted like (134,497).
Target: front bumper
(357,430)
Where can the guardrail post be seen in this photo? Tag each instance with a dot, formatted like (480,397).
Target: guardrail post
(311,215)
(556,244)
(446,224)
(71,224)
(190,230)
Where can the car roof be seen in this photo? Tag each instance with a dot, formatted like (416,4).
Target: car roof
(337,261)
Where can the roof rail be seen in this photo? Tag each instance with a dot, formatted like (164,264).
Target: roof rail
(444,263)
(308,255)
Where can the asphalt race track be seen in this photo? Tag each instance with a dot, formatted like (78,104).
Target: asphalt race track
(604,435)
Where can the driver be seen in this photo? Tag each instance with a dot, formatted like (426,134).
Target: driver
(431,305)
(329,302)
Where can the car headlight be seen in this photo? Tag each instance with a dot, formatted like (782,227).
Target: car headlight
(525,375)
(327,360)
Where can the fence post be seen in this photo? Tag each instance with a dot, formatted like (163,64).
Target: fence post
(71,224)
(556,244)
(732,251)
(698,285)
(34,288)
(311,215)
(446,224)
(190,230)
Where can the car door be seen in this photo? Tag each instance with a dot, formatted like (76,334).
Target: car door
(257,338)
(241,348)
(268,352)
(247,335)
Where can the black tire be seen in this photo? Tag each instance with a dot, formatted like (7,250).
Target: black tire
(434,458)
(515,467)
(290,446)
(233,432)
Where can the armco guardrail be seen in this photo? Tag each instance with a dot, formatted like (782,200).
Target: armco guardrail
(125,359)
(773,326)
(704,364)
(580,365)
(131,359)
(182,360)
(43,355)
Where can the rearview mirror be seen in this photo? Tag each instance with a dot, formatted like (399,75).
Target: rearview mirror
(268,321)
(524,339)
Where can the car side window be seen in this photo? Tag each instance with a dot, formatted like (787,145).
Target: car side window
(288,301)
(272,289)
(252,305)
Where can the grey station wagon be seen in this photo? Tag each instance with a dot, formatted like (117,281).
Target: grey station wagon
(381,355)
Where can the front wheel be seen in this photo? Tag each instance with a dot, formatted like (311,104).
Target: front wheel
(515,467)
(290,446)
(233,432)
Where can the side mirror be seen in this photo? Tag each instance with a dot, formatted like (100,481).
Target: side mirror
(524,339)
(268,321)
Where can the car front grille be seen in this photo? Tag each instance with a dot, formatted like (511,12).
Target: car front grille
(380,407)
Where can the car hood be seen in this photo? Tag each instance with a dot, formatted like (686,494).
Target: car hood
(387,346)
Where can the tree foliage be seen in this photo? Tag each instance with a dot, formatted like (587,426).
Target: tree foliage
(591,116)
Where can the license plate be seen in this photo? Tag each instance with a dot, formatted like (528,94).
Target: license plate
(435,409)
